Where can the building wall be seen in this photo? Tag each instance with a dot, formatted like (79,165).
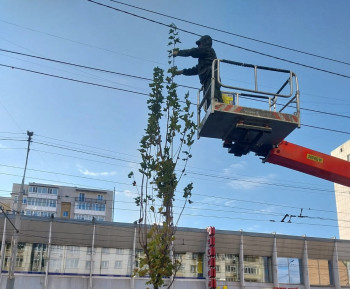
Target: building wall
(322,263)
(342,195)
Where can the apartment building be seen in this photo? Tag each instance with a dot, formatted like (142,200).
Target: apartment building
(342,194)
(45,200)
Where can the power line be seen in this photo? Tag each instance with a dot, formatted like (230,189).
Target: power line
(130,75)
(84,66)
(325,112)
(74,80)
(85,152)
(328,129)
(188,171)
(74,41)
(203,195)
(224,42)
(85,145)
(231,33)
(140,93)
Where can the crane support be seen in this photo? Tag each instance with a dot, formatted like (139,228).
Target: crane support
(310,162)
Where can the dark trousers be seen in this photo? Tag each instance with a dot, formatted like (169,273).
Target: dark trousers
(207,91)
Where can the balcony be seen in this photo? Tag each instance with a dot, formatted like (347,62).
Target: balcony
(89,200)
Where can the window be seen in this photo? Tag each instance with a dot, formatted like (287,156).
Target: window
(118,264)
(104,264)
(20,247)
(19,261)
(65,214)
(217,268)
(52,191)
(99,207)
(251,270)
(36,264)
(41,202)
(73,250)
(105,250)
(193,269)
(119,251)
(231,256)
(55,264)
(257,269)
(100,197)
(42,190)
(56,249)
(88,265)
(81,197)
(90,206)
(179,257)
(24,201)
(320,272)
(194,256)
(230,268)
(89,250)
(181,268)
(72,263)
(289,270)
(348,158)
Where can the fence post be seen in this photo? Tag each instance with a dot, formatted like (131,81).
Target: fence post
(3,249)
(92,253)
(48,257)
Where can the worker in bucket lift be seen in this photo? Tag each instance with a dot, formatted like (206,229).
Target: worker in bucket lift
(205,54)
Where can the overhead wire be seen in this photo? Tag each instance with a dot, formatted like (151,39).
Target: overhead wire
(73,41)
(85,66)
(189,171)
(72,79)
(224,211)
(129,91)
(143,78)
(210,196)
(223,42)
(233,34)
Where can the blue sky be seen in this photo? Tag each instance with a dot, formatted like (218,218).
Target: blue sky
(88,136)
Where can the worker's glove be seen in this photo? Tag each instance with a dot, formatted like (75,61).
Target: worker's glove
(178,72)
(175,52)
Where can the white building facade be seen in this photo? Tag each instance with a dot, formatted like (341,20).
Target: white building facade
(342,195)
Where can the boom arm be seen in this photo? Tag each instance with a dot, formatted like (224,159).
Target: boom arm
(310,162)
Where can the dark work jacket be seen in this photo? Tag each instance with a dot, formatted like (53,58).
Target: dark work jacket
(205,56)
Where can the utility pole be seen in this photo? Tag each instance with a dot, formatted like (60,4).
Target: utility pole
(11,277)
